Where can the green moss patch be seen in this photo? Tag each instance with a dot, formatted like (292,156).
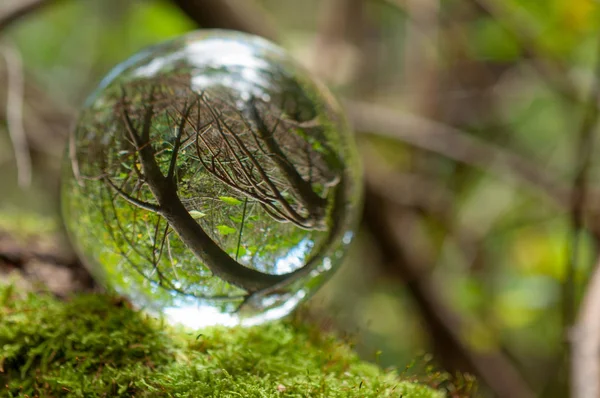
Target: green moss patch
(95,345)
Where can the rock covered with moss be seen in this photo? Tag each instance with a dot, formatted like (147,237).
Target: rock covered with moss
(95,345)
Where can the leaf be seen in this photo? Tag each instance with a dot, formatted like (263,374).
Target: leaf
(196,214)
(230,201)
(225,230)
(235,219)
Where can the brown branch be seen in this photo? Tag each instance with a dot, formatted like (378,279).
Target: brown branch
(241,15)
(443,324)
(290,213)
(14,113)
(46,121)
(583,160)
(139,203)
(14,10)
(304,190)
(579,197)
(135,247)
(453,144)
(421,75)
(585,337)
(175,213)
(224,177)
(180,129)
(340,40)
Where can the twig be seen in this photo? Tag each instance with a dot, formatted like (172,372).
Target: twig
(421,66)
(586,343)
(136,202)
(14,10)
(244,16)
(14,113)
(341,30)
(579,193)
(46,121)
(453,144)
(583,157)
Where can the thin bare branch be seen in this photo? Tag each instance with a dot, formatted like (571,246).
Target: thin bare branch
(132,200)
(73,157)
(339,40)
(579,193)
(180,129)
(454,144)
(242,15)
(12,11)
(14,113)
(579,197)
(585,337)
(421,67)
(290,213)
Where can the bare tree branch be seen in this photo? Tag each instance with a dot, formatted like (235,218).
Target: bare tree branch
(421,75)
(16,9)
(132,200)
(579,197)
(454,144)
(242,15)
(14,113)
(579,193)
(307,201)
(173,210)
(46,121)
(180,128)
(585,337)
(339,40)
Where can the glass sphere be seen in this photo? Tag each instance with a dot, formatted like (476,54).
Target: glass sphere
(211,180)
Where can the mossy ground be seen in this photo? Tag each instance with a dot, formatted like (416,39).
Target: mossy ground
(96,345)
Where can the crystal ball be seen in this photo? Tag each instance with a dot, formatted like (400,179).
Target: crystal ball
(211,180)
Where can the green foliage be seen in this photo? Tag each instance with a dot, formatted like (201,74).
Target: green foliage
(95,345)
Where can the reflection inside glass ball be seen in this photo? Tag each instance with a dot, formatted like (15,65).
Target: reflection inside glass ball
(211,180)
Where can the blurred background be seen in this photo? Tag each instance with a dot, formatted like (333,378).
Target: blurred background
(476,121)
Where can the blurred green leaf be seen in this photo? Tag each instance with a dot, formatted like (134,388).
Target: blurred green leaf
(197,214)
(230,201)
(490,41)
(225,230)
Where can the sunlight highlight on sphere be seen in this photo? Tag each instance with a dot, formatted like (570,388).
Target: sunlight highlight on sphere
(211,180)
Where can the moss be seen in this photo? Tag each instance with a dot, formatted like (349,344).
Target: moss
(95,345)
